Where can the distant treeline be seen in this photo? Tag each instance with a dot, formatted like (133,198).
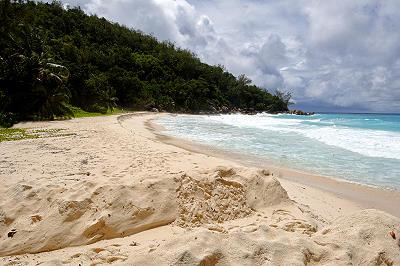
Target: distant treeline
(52,58)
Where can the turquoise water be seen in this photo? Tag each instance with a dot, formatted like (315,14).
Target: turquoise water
(363,148)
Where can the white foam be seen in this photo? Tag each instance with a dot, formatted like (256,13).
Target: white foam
(262,121)
(372,143)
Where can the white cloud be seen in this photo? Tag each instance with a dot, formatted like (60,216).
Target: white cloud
(145,15)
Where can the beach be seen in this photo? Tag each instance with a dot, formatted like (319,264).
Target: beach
(114,189)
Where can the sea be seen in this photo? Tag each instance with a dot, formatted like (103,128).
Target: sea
(361,148)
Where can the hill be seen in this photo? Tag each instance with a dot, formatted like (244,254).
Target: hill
(53,58)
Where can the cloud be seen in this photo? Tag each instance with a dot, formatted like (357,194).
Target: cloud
(353,50)
(273,52)
(148,16)
(338,55)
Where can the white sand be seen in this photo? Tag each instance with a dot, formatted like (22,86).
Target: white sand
(112,192)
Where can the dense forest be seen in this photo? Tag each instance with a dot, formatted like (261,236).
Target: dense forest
(52,59)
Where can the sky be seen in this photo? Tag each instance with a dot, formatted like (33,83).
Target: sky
(332,56)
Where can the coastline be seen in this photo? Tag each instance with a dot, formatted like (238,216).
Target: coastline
(110,190)
(363,195)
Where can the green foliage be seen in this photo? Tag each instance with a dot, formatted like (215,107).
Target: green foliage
(52,58)
(78,112)
(7,119)
(100,89)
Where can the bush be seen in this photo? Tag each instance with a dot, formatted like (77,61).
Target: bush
(7,119)
(95,108)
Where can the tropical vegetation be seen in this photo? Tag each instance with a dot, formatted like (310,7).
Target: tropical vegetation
(52,58)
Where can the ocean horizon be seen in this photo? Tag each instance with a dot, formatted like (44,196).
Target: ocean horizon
(356,147)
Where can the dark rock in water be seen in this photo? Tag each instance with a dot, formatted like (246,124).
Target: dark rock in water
(212,110)
(154,110)
(249,111)
(12,233)
(300,112)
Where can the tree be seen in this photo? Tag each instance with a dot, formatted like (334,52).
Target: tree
(32,85)
(102,92)
(243,80)
(285,97)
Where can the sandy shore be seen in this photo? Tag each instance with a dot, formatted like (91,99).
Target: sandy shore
(110,190)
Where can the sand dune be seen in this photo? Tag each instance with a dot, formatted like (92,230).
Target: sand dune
(111,192)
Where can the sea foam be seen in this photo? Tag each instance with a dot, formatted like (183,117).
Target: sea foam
(361,148)
(368,142)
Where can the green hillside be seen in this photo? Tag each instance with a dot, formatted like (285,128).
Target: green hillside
(52,59)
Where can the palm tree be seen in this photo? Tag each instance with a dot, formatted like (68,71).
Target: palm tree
(28,76)
(51,79)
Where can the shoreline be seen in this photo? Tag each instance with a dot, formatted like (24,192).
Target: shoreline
(364,195)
